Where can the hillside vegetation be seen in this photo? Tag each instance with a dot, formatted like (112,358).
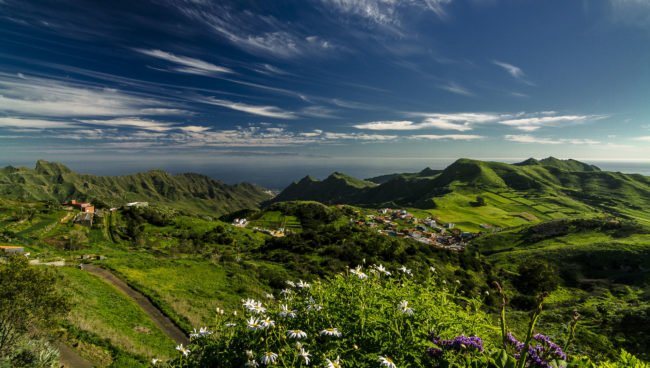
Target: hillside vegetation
(589,250)
(193,193)
(534,190)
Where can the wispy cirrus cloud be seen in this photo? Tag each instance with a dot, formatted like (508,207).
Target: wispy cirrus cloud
(268,111)
(455,137)
(534,123)
(458,121)
(186,64)
(134,123)
(37,96)
(456,88)
(19,123)
(384,12)
(525,138)
(258,34)
(643,138)
(514,71)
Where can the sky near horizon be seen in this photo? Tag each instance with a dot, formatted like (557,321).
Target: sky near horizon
(187,83)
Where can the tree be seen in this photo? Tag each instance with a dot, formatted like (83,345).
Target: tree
(30,301)
(536,276)
(480,201)
(77,239)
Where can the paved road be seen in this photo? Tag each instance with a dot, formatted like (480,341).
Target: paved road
(165,324)
(69,358)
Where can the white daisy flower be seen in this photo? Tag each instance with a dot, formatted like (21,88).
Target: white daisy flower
(330,332)
(405,270)
(305,355)
(267,323)
(254,324)
(219,311)
(383,270)
(250,354)
(230,324)
(251,363)
(290,283)
(269,296)
(298,345)
(433,269)
(333,364)
(357,272)
(268,358)
(248,303)
(387,362)
(286,292)
(302,285)
(203,331)
(257,308)
(404,308)
(154,361)
(297,334)
(314,307)
(184,351)
(286,312)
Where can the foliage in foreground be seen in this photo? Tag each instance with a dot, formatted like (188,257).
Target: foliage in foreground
(370,318)
(30,304)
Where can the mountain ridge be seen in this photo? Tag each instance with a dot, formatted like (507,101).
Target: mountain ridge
(191,192)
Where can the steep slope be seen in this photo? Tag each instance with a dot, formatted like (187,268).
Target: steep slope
(565,183)
(189,192)
(337,188)
(426,173)
(567,165)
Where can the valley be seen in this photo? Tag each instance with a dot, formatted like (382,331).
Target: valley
(189,265)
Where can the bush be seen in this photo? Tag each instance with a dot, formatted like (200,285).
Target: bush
(359,317)
(536,276)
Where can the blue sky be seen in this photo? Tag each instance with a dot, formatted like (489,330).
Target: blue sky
(271,86)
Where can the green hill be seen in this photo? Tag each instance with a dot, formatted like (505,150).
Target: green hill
(547,189)
(567,165)
(187,192)
(337,188)
(426,173)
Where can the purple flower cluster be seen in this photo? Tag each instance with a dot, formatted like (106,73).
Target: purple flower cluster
(459,343)
(538,355)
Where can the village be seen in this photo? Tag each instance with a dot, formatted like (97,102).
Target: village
(398,223)
(426,231)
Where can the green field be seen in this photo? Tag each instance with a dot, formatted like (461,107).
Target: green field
(99,308)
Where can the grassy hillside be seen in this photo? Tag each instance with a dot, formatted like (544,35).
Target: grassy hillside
(556,188)
(596,243)
(192,193)
(337,188)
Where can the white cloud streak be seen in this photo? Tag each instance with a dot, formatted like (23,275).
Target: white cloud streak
(455,137)
(534,123)
(242,30)
(459,121)
(188,65)
(514,71)
(133,123)
(268,111)
(19,123)
(384,12)
(454,87)
(35,96)
(525,138)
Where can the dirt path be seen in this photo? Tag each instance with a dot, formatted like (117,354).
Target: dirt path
(162,321)
(70,359)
